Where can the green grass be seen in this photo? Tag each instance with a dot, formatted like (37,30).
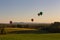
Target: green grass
(51,36)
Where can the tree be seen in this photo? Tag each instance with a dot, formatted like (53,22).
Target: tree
(2,30)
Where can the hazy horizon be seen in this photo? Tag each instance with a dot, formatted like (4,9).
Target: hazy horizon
(24,10)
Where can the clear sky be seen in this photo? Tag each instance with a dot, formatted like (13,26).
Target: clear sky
(24,10)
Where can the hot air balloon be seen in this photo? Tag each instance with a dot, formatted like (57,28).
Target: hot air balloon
(32,19)
(10,22)
(40,13)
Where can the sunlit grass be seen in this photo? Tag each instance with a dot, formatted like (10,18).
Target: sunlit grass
(17,29)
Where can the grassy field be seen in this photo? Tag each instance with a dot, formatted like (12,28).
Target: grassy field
(17,29)
(50,36)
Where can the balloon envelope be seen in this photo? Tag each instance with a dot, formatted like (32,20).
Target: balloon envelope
(10,22)
(32,19)
(40,14)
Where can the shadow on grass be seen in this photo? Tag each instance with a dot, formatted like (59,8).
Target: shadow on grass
(22,32)
(27,32)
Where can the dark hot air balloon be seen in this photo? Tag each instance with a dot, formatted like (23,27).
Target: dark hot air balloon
(32,19)
(40,14)
(10,22)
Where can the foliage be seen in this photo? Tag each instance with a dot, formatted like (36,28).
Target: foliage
(53,28)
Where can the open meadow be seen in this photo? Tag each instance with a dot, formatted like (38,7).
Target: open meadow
(17,29)
(51,32)
(49,36)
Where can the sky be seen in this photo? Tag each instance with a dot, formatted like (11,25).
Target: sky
(24,10)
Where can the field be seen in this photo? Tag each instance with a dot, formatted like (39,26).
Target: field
(17,29)
(49,36)
(27,34)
